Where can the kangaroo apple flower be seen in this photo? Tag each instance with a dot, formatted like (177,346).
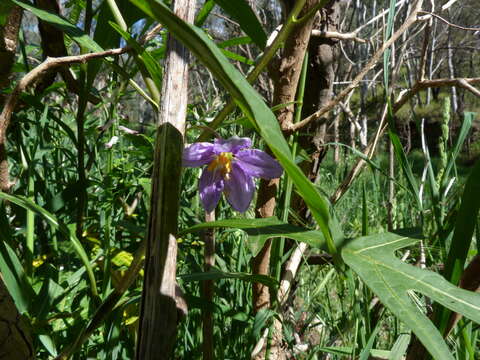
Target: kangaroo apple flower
(230,168)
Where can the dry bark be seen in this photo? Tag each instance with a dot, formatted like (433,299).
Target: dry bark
(322,55)
(287,73)
(15,340)
(158,319)
(8,46)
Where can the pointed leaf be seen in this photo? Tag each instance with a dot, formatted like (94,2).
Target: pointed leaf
(242,13)
(259,230)
(80,37)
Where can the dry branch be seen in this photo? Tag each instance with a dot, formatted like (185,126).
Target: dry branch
(337,35)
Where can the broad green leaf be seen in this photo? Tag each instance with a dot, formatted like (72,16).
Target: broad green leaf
(56,224)
(259,230)
(80,37)
(251,104)
(464,226)
(241,12)
(373,259)
(215,274)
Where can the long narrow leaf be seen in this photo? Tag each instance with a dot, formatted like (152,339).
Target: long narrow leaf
(246,18)
(56,224)
(63,24)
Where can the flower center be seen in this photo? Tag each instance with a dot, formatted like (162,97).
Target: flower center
(223,163)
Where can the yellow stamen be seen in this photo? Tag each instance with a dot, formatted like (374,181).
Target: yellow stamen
(223,163)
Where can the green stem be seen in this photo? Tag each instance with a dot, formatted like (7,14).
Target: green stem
(117,15)
(30,222)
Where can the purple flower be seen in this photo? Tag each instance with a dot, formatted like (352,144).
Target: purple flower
(231,168)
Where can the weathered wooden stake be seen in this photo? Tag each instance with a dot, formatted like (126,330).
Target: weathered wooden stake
(158,320)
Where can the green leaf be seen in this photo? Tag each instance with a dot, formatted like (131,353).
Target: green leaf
(242,13)
(372,258)
(244,40)
(204,12)
(15,278)
(406,167)
(56,224)
(5,7)
(462,135)
(259,230)
(465,222)
(216,274)
(237,57)
(251,104)
(400,347)
(80,37)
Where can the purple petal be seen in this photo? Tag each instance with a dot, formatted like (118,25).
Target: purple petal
(211,187)
(239,189)
(259,164)
(232,145)
(198,154)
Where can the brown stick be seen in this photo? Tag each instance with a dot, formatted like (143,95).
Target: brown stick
(158,318)
(337,35)
(208,290)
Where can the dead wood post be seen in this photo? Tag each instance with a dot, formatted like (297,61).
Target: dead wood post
(158,319)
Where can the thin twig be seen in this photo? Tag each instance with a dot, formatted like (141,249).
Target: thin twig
(430,14)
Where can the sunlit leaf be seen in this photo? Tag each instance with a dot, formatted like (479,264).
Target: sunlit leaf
(259,230)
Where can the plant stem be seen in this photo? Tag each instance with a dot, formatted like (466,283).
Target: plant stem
(208,290)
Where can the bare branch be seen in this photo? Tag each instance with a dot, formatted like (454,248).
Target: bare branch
(425,84)
(337,35)
(429,15)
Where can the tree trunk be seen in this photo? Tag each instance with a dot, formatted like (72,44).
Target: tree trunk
(322,55)
(15,340)
(286,78)
(158,320)
(8,46)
